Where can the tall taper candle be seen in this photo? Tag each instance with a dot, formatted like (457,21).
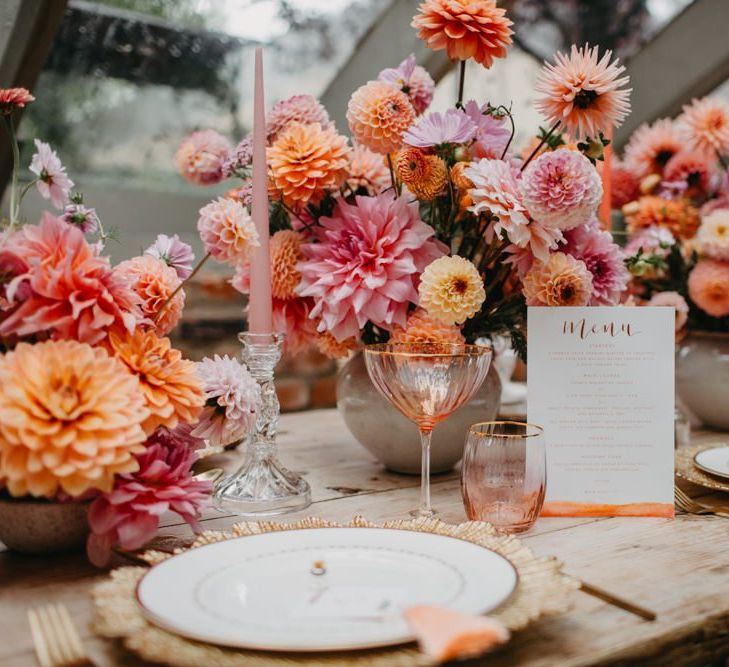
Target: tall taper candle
(260,316)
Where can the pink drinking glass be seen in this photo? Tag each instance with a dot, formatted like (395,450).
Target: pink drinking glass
(503,477)
(427,382)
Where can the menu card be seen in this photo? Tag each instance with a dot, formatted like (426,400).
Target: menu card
(600,384)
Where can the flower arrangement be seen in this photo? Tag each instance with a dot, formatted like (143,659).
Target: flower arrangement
(671,190)
(95,404)
(428,225)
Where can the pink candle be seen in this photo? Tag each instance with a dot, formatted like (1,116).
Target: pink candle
(260,318)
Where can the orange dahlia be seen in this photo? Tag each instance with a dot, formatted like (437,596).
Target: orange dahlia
(172,390)
(424,175)
(421,328)
(706,124)
(367,170)
(285,251)
(332,348)
(651,147)
(378,115)
(70,419)
(465,29)
(459,178)
(306,161)
(561,281)
(708,287)
(676,215)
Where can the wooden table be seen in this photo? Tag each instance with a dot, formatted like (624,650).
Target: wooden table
(679,568)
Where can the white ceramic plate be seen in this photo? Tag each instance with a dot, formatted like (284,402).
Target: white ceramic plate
(715,461)
(262,592)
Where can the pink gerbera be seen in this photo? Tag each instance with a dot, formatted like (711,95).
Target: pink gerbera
(413,80)
(492,133)
(451,127)
(53,182)
(365,264)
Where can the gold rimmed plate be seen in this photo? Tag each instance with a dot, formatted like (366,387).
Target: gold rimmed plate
(687,469)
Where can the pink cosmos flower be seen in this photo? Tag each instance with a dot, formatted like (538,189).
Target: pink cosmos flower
(53,182)
(304,109)
(672,300)
(82,217)
(200,157)
(652,241)
(603,258)
(366,263)
(561,189)
(413,80)
(492,134)
(232,400)
(451,127)
(130,514)
(68,290)
(173,252)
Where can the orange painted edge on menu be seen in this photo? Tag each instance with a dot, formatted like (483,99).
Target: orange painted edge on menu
(557,508)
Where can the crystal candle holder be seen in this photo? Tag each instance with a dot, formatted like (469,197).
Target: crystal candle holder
(262,487)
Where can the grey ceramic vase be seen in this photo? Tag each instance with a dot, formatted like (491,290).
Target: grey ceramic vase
(702,376)
(33,526)
(392,438)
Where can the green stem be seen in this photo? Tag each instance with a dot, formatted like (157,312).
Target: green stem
(179,287)
(392,175)
(14,205)
(461,82)
(544,140)
(25,191)
(511,138)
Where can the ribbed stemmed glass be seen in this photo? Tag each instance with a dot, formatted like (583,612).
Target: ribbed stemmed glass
(427,382)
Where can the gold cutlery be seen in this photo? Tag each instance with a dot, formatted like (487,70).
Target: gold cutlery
(57,643)
(687,504)
(619,602)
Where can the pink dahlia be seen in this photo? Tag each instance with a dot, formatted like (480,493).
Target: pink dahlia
(672,300)
(304,109)
(708,287)
(365,264)
(625,186)
(367,170)
(451,127)
(694,169)
(52,181)
(604,260)
(68,291)
(561,189)
(651,147)
(413,80)
(130,514)
(492,132)
(200,157)
(705,123)
(227,231)
(232,400)
(173,252)
(293,317)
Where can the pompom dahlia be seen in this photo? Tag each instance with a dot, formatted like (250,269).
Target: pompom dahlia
(367,170)
(70,419)
(422,328)
(173,252)
(304,109)
(692,168)
(651,147)
(227,231)
(672,300)
(561,189)
(365,263)
(285,248)
(68,290)
(561,281)
(708,287)
(492,132)
(52,181)
(712,239)
(424,175)
(625,186)
(14,98)
(705,123)
(435,129)
(678,216)
(82,217)
(128,516)
(172,390)
(451,290)
(154,283)
(465,29)
(232,400)
(583,94)
(200,157)
(306,161)
(604,260)
(378,115)
(413,80)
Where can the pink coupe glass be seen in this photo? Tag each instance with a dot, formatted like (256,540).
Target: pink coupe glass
(427,382)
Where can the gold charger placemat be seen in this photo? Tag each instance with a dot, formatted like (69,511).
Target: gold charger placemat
(686,469)
(542,590)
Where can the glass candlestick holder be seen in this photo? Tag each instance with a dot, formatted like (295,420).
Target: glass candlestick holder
(262,487)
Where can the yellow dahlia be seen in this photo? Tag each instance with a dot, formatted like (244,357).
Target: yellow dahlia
(285,250)
(171,388)
(422,328)
(378,115)
(451,290)
(367,170)
(706,124)
(424,175)
(676,215)
(70,419)
(306,161)
(560,281)
(332,348)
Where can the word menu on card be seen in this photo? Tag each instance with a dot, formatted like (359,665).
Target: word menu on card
(601,385)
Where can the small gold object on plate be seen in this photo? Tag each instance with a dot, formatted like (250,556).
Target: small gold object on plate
(687,470)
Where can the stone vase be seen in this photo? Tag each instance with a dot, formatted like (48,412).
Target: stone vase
(392,438)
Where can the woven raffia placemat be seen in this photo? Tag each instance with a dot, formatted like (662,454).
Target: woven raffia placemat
(686,468)
(542,590)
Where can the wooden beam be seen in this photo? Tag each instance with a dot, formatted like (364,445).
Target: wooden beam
(687,59)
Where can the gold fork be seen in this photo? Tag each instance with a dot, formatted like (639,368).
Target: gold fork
(687,504)
(56,640)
